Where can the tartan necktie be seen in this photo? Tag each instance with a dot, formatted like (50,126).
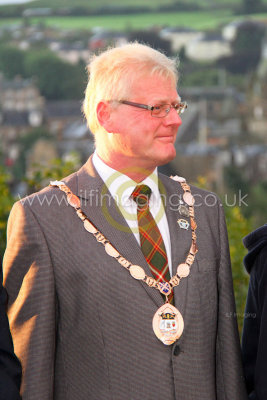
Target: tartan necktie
(152,244)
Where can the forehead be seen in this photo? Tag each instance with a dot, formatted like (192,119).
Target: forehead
(153,88)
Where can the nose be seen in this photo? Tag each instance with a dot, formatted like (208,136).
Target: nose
(172,118)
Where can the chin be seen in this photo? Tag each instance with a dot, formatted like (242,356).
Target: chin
(165,159)
(168,155)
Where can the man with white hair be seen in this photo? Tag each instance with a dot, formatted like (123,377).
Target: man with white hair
(119,286)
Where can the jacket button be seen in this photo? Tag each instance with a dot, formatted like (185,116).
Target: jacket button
(176,350)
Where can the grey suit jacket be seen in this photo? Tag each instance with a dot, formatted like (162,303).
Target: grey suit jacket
(82,326)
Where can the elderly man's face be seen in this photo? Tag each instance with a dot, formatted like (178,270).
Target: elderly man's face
(139,138)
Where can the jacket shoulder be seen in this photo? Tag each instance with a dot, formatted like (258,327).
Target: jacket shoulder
(199,192)
(49,193)
(256,243)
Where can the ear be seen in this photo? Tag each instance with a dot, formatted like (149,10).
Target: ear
(103,112)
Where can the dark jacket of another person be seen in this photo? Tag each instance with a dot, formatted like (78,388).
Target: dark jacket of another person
(254,338)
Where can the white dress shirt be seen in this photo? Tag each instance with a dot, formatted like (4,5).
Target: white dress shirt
(121,187)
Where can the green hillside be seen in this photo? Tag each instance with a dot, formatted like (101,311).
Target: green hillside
(93,4)
(204,14)
(201,20)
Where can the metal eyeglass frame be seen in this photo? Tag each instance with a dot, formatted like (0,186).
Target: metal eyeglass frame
(179,107)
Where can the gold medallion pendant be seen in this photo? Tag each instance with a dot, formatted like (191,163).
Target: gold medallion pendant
(168,324)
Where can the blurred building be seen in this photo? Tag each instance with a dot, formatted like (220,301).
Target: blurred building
(208,47)
(21,109)
(179,36)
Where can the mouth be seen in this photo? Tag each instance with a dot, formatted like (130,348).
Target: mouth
(167,138)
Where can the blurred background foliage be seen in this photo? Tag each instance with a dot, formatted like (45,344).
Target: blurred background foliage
(6,202)
(238,227)
(41,177)
(55,78)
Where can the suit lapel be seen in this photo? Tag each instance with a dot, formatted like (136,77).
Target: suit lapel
(180,238)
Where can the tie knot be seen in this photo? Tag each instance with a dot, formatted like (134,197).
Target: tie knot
(141,195)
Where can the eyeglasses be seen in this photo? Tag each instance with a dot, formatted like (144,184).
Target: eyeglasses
(158,110)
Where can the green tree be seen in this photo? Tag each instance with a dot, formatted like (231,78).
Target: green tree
(56,170)
(254,207)
(257,209)
(202,76)
(55,78)
(251,6)
(248,38)
(238,227)
(11,61)
(246,47)
(26,142)
(6,202)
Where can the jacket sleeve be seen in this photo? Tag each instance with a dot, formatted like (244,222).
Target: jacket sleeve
(229,379)
(29,281)
(10,369)
(254,345)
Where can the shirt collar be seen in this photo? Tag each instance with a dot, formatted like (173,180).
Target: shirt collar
(120,185)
